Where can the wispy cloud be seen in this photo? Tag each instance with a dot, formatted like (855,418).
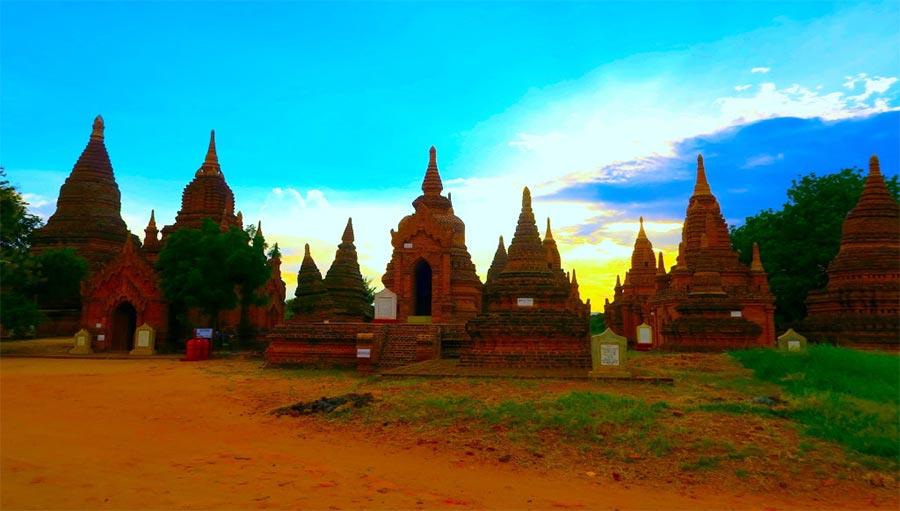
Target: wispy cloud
(762,70)
(739,88)
(761,160)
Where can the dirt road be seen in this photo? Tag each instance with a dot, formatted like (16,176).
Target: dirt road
(162,434)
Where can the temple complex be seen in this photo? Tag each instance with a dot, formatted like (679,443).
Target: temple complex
(709,300)
(860,305)
(430,270)
(629,307)
(533,315)
(122,289)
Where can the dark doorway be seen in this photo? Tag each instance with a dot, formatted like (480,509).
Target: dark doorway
(422,287)
(124,322)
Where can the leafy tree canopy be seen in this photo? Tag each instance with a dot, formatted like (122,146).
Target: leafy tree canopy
(212,270)
(797,242)
(54,276)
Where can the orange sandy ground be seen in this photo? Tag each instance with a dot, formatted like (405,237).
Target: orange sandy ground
(163,434)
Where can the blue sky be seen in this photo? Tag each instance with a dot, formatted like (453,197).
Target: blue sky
(326,110)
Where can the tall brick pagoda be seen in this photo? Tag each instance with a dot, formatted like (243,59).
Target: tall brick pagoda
(709,300)
(860,305)
(88,211)
(430,269)
(533,316)
(629,309)
(207,196)
(344,281)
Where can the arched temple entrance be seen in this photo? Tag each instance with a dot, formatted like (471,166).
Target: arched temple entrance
(422,288)
(124,323)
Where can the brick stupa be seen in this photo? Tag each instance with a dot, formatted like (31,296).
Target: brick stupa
(709,300)
(533,315)
(206,196)
(311,304)
(629,307)
(88,211)
(430,270)
(860,306)
(344,282)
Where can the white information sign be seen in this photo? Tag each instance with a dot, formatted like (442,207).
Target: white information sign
(525,302)
(143,339)
(407,245)
(609,355)
(101,337)
(363,353)
(793,345)
(644,335)
(736,314)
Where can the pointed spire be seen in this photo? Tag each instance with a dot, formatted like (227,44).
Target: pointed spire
(97,133)
(549,235)
(661,267)
(526,198)
(348,236)
(574,278)
(259,228)
(152,223)
(211,163)
(756,264)
(554,261)
(618,282)
(641,233)
(306,252)
(432,185)
(874,166)
(499,261)
(240,219)
(701,187)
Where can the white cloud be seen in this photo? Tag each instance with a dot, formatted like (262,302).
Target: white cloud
(742,87)
(761,160)
(799,101)
(762,70)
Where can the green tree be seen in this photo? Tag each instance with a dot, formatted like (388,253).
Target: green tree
(18,269)
(797,242)
(212,270)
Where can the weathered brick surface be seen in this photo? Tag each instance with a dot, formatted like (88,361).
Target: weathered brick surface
(334,344)
(860,306)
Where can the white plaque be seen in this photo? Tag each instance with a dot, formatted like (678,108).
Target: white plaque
(101,337)
(793,345)
(80,340)
(143,339)
(363,352)
(98,325)
(609,354)
(407,245)
(525,302)
(736,314)
(644,335)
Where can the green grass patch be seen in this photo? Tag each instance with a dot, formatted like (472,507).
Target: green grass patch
(844,396)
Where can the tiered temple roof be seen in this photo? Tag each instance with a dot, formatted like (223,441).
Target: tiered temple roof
(861,303)
(87,216)
(709,300)
(206,196)
(532,314)
(627,310)
(431,270)
(344,281)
